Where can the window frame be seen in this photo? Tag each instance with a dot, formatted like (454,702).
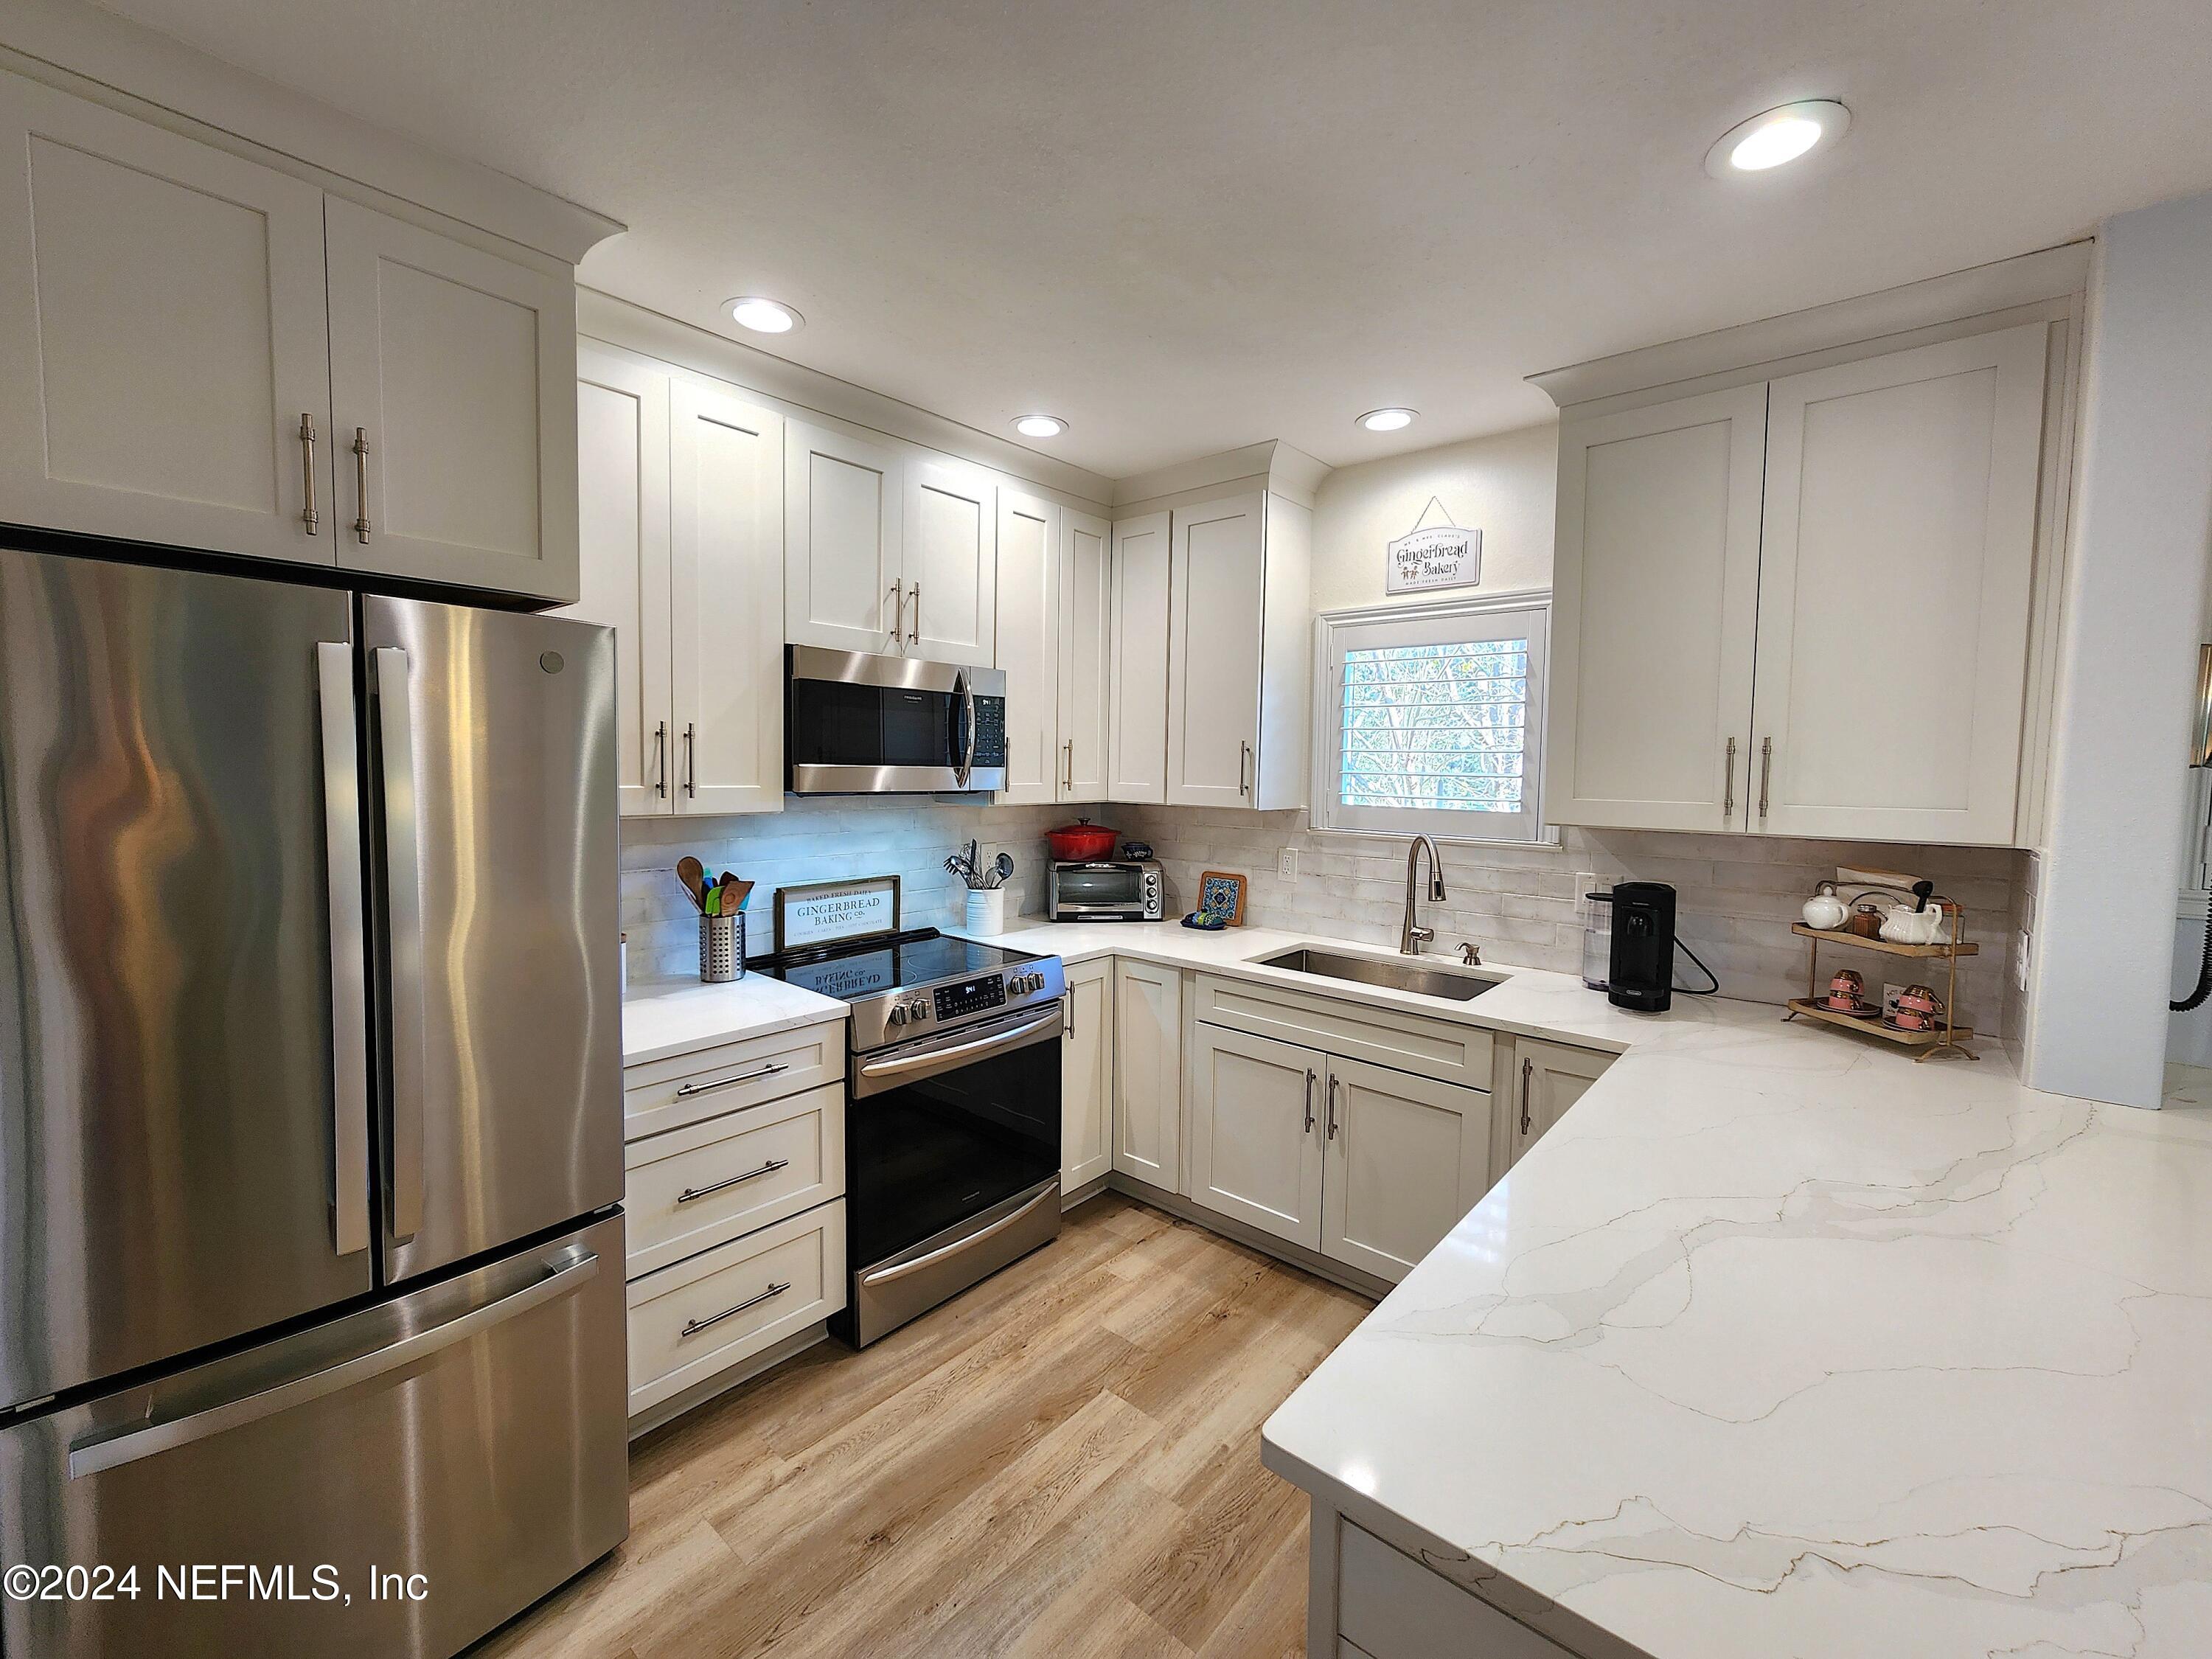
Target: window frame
(1431,622)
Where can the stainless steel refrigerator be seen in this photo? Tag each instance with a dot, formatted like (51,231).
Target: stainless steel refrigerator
(310,1146)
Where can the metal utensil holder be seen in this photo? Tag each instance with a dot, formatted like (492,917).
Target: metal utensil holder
(721,948)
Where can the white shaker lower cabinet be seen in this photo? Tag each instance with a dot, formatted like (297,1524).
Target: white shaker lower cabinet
(1407,1157)
(1536,1081)
(163,333)
(1148,1073)
(1086,645)
(951,561)
(1086,1100)
(1136,758)
(1912,475)
(1239,653)
(726,570)
(680,493)
(1655,614)
(736,1212)
(1029,634)
(1385,1604)
(844,581)
(1255,1141)
(453,405)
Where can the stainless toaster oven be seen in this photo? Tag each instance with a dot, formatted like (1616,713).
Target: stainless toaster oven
(1106,890)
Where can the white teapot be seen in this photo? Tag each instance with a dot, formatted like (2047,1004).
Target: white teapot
(1823,910)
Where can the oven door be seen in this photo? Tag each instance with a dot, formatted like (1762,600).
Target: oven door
(946,1127)
(861,724)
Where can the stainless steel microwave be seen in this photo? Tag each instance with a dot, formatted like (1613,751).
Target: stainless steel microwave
(857,724)
(1105,890)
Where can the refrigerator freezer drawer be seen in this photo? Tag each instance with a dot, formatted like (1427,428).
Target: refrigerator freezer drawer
(471,1433)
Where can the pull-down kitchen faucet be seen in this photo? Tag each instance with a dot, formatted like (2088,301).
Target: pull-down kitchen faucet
(1412,937)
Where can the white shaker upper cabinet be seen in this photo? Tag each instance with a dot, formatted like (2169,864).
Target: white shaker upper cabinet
(163,336)
(1029,645)
(844,583)
(951,563)
(1894,591)
(452,395)
(1137,754)
(1086,635)
(622,498)
(1217,587)
(1654,611)
(726,526)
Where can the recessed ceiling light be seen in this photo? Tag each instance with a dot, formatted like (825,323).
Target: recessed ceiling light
(1040,426)
(1387,419)
(1777,135)
(764,316)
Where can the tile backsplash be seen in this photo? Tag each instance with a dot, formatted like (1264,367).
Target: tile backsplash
(1737,894)
(821,840)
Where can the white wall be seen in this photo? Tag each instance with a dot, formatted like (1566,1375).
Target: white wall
(2112,860)
(1502,486)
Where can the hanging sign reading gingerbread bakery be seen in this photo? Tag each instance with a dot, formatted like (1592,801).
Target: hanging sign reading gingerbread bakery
(1438,555)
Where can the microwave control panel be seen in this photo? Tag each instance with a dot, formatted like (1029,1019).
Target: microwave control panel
(970,997)
(990,731)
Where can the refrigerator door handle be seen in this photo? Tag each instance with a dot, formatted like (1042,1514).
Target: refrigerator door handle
(348,950)
(403,882)
(557,1276)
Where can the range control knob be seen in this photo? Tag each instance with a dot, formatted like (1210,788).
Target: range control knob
(918,1008)
(897,1015)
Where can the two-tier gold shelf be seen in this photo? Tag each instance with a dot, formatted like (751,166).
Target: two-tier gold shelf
(1946,1038)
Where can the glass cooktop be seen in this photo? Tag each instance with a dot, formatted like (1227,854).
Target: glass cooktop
(869,969)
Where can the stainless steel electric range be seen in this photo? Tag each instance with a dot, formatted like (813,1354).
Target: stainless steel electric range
(952,1117)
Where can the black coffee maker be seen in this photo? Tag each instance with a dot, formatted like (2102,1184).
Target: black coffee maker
(1642,975)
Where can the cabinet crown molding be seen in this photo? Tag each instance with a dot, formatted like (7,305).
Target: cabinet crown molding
(2051,273)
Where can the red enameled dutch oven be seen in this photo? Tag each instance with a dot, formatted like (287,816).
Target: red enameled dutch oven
(1081,842)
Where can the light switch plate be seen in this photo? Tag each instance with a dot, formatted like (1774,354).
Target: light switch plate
(1286,864)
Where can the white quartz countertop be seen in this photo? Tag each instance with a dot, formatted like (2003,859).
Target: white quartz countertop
(1782,1345)
(664,1017)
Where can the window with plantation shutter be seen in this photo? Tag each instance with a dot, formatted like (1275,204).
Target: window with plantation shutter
(1434,721)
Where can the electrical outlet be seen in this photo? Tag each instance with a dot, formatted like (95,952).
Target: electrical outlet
(2020,963)
(1286,864)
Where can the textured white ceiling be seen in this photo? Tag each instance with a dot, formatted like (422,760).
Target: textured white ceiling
(1187,227)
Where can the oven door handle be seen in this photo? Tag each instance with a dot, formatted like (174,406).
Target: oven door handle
(878,1074)
(885,1275)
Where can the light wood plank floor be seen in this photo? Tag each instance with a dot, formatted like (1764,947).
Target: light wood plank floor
(1063,1462)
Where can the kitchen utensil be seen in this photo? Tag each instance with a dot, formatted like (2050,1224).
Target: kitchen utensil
(1825,910)
(1921,890)
(1002,870)
(733,894)
(693,875)
(1081,842)
(710,904)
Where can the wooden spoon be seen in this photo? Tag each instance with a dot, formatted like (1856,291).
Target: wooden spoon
(733,893)
(693,875)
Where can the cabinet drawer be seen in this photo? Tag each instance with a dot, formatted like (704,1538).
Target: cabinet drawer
(706,1314)
(1439,1048)
(666,1094)
(709,1182)
(1393,1608)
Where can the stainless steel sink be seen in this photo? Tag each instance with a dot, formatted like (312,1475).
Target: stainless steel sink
(1422,978)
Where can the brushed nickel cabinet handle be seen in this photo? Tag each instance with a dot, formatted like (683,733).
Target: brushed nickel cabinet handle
(660,760)
(685,1091)
(898,611)
(360,483)
(1068,777)
(1244,769)
(769,1168)
(1309,1116)
(1332,1105)
(691,760)
(1765,772)
(1728,799)
(308,516)
(914,628)
(1527,1072)
(693,1327)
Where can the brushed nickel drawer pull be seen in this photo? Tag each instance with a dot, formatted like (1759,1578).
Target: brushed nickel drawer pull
(1332,1105)
(1765,772)
(308,516)
(1309,1116)
(693,1327)
(1528,1070)
(768,1168)
(1728,798)
(660,760)
(360,483)
(691,760)
(685,1091)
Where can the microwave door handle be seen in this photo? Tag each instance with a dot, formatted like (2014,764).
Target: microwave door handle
(403,900)
(348,950)
(966,689)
